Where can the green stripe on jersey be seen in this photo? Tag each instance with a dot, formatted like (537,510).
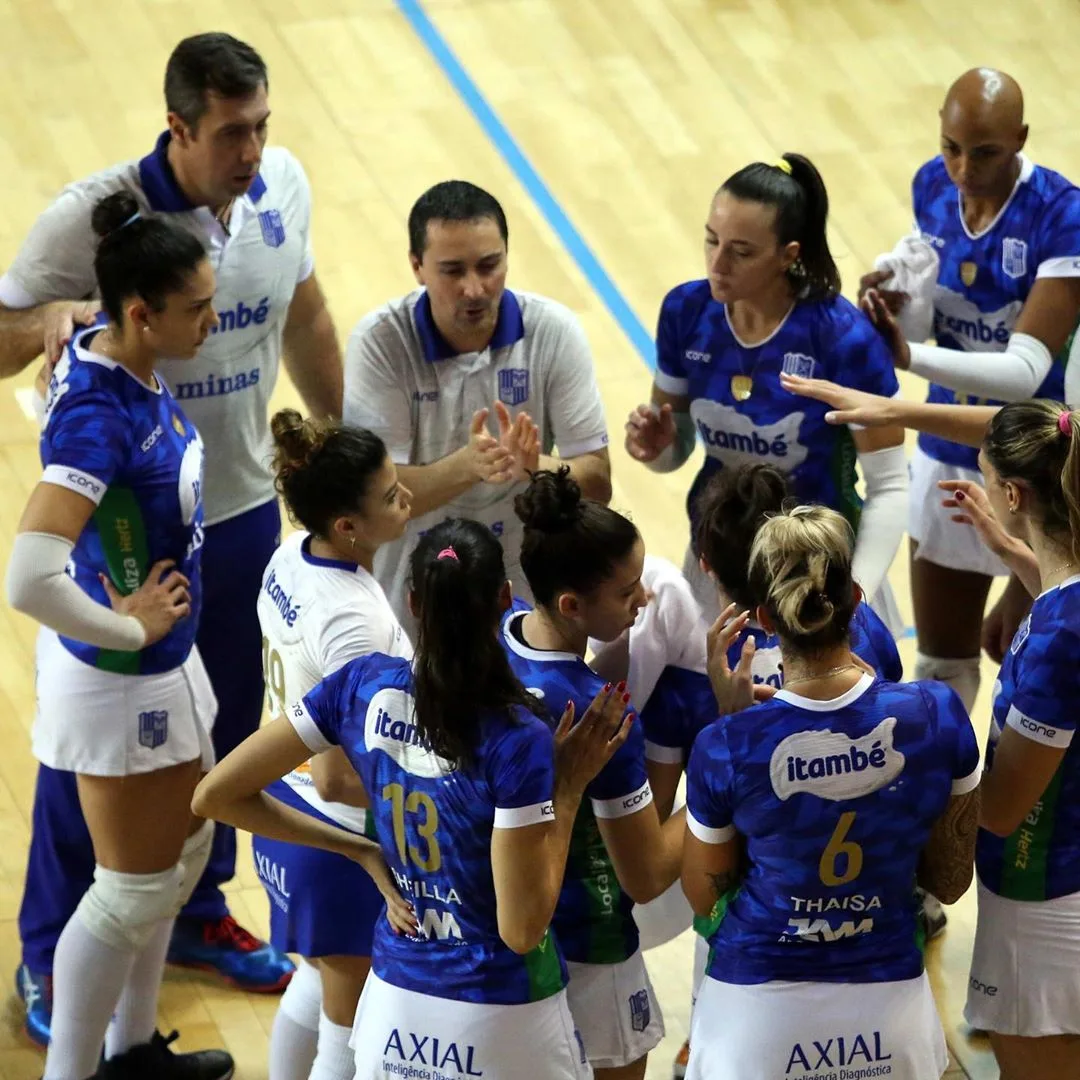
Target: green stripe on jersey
(122,530)
(593,869)
(842,467)
(543,969)
(1027,850)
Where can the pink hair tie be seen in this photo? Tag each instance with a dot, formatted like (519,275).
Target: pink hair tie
(1065,423)
(447,553)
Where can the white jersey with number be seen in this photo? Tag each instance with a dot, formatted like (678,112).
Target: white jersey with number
(259,261)
(405,382)
(316,615)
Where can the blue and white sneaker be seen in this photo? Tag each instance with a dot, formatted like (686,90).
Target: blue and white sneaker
(36,992)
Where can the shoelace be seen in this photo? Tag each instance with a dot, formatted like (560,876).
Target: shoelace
(228,930)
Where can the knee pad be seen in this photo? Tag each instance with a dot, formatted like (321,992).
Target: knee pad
(123,910)
(302,1000)
(961,674)
(194,856)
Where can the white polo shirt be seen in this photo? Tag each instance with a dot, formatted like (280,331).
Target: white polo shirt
(404,382)
(259,261)
(316,615)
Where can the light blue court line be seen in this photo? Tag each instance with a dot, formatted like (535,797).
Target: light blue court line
(529,178)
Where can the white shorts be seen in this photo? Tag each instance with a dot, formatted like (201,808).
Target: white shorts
(1025,968)
(816,1031)
(941,540)
(401,1033)
(615,1010)
(102,724)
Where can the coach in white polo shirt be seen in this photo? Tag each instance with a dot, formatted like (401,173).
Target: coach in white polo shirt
(421,371)
(250,205)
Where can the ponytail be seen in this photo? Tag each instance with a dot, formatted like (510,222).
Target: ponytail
(795,189)
(460,670)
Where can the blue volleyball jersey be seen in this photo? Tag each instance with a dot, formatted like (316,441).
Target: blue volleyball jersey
(434,824)
(984,281)
(698,355)
(594,920)
(683,702)
(836,801)
(1036,694)
(130,450)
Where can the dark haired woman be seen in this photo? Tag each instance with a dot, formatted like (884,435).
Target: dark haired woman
(471,815)
(810,818)
(771,303)
(123,700)
(319,608)
(583,563)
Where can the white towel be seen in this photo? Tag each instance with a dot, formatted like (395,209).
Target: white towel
(914,264)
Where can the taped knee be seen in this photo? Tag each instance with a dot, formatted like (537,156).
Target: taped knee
(124,909)
(193,859)
(961,674)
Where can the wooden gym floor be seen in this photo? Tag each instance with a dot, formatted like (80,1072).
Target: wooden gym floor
(603,126)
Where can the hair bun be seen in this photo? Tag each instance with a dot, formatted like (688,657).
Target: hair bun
(113,213)
(297,440)
(551,502)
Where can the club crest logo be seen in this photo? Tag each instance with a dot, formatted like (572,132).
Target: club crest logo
(1014,257)
(273,230)
(514,386)
(153,728)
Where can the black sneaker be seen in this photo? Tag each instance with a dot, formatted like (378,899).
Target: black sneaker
(155,1059)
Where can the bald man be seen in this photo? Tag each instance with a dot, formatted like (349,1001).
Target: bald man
(1006,302)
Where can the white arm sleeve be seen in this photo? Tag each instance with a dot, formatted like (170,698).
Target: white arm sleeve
(1012,375)
(884,513)
(38,586)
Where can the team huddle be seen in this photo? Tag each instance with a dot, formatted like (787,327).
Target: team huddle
(491,750)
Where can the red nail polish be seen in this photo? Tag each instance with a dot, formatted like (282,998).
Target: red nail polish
(607,688)
(960,496)
(626,698)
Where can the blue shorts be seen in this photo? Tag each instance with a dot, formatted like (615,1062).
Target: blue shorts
(321,904)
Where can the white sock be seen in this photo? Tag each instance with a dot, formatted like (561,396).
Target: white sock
(295,1034)
(961,673)
(88,977)
(135,1017)
(335,1060)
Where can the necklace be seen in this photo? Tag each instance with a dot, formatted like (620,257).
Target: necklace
(824,675)
(1058,569)
(742,385)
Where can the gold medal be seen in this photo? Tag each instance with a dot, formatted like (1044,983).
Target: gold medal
(741,387)
(968,270)
(178,424)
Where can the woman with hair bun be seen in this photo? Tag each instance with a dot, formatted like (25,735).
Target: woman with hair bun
(107,559)
(811,818)
(319,608)
(771,303)
(583,563)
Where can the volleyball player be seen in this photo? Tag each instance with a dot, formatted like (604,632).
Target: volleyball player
(845,790)
(454,376)
(583,562)
(472,820)
(250,206)
(771,303)
(1007,299)
(1023,989)
(319,608)
(123,699)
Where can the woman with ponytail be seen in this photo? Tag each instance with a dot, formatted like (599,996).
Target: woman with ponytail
(771,303)
(811,818)
(1027,938)
(472,799)
(319,608)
